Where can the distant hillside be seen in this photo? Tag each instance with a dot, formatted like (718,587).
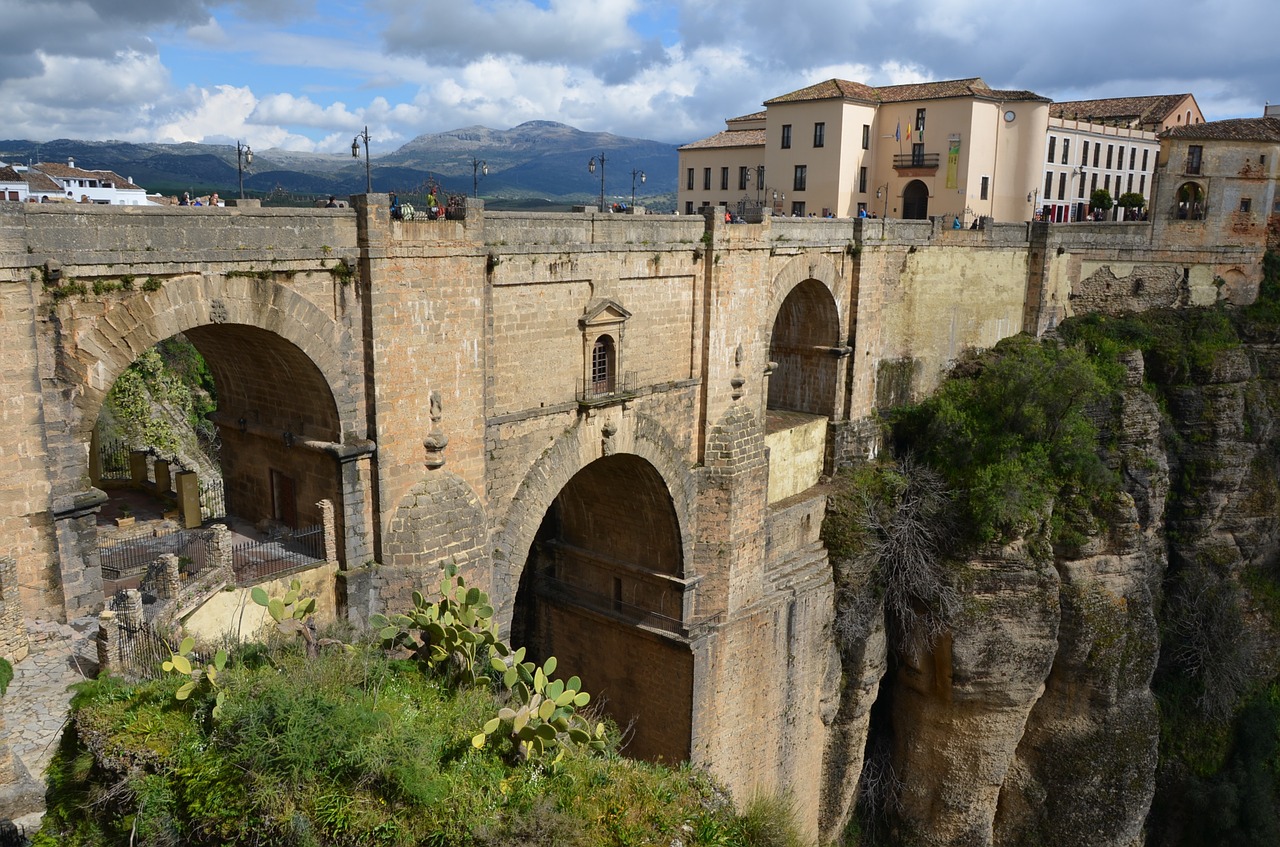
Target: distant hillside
(538,161)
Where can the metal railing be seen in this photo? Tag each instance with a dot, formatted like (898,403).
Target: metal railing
(254,560)
(557,589)
(607,390)
(128,557)
(213,499)
(914,160)
(113,460)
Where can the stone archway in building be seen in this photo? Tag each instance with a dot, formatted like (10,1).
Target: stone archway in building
(603,589)
(915,201)
(1190,203)
(805,348)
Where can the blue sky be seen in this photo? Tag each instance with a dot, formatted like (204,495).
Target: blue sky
(309,74)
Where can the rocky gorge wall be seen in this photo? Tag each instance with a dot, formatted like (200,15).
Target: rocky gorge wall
(1096,692)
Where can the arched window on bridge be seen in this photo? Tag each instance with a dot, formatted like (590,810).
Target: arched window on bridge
(603,363)
(603,337)
(1190,202)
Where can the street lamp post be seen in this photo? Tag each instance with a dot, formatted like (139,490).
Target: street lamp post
(883,191)
(635,173)
(244,158)
(478,169)
(1032,197)
(355,154)
(591,167)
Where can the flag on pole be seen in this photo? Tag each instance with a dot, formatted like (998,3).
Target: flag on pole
(908,133)
(897,132)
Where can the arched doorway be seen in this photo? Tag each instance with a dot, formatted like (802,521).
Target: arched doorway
(915,201)
(806,334)
(602,590)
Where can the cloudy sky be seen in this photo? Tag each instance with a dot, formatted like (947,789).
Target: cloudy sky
(308,74)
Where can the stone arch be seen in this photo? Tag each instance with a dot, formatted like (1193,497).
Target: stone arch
(1237,287)
(635,434)
(804,339)
(190,303)
(440,521)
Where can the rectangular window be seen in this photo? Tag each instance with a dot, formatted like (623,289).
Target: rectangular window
(1246,204)
(1084,154)
(1062,186)
(917,155)
(1093,184)
(1097,148)
(706,179)
(819,134)
(1111,149)
(919,120)
(1080,191)
(724,179)
(862,180)
(688,207)
(1066,147)
(1195,153)
(1142,185)
(786,136)
(1119,157)
(1133,157)
(802,175)
(1144,159)
(986,187)
(866,136)
(742,177)
(1052,142)
(1106,183)
(1048,186)
(1129,183)
(689,184)
(797,210)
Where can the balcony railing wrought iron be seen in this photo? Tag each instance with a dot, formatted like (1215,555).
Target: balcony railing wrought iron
(904,161)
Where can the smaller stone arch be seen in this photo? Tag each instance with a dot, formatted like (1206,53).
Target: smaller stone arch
(804,339)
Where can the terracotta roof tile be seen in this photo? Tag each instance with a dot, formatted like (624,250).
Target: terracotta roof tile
(39,183)
(1152,109)
(729,138)
(831,89)
(1234,129)
(754,116)
(8,174)
(60,171)
(116,180)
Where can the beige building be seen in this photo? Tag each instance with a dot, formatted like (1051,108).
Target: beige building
(1109,144)
(841,148)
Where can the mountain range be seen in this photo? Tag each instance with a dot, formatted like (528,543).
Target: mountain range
(535,163)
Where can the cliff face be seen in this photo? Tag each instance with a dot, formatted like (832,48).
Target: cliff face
(1033,718)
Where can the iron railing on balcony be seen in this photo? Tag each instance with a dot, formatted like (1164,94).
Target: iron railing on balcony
(595,391)
(916,160)
(131,556)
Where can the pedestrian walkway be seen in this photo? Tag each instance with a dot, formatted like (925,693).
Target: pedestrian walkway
(36,705)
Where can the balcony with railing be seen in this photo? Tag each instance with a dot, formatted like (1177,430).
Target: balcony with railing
(607,389)
(916,161)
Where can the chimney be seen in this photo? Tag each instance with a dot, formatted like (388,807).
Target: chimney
(71,163)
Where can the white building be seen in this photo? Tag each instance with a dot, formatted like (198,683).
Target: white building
(12,186)
(1110,144)
(85,186)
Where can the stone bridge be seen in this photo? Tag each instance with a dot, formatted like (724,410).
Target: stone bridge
(617,424)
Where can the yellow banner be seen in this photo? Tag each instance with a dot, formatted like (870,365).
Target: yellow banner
(953,160)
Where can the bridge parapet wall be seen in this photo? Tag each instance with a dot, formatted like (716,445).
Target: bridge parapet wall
(127,234)
(528,229)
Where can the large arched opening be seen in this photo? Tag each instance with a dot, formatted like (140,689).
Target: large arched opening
(603,591)
(805,339)
(253,452)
